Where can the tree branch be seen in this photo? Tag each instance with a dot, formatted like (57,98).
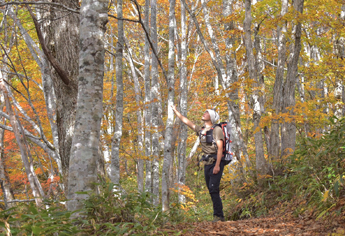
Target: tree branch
(28,200)
(39,3)
(62,73)
(150,42)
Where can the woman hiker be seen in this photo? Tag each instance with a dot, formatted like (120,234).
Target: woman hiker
(212,158)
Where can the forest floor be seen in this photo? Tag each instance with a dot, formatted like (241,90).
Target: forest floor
(282,224)
(260,226)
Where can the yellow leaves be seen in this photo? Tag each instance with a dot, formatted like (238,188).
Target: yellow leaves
(188,193)
(257,129)
(325,196)
(260,177)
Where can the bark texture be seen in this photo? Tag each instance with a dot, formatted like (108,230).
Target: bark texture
(147,110)
(289,128)
(61,36)
(155,106)
(116,141)
(85,145)
(278,85)
(168,149)
(181,174)
(261,163)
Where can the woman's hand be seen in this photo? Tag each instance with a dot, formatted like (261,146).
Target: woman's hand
(173,108)
(216,169)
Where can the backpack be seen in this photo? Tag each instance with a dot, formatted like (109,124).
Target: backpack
(227,154)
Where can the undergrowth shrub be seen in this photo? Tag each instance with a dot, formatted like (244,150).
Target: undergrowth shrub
(118,212)
(27,219)
(312,179)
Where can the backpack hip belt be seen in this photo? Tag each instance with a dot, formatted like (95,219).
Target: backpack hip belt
(209,158)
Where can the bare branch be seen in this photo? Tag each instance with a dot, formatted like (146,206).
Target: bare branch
(40,3)
(9,128)
(62,73)
(150,42)
(28,200)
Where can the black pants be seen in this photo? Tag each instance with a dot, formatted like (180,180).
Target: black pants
(212,182)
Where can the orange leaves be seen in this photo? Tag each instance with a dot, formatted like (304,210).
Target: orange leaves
(188,193)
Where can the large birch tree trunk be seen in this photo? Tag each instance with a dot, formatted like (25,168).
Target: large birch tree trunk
(116,141)
(168,149)
(85,145)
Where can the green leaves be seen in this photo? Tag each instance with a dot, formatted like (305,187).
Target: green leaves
(29,220)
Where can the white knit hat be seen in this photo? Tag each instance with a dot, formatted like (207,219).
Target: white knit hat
(213,115)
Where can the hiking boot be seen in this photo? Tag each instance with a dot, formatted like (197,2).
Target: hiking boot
(218,218)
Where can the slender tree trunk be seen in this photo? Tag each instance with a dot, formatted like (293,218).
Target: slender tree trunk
(140,165)
(155,106)
(232,77)
(261,163)
(278,84)
(259,65)
(85,145)
(147,110)
(289,128)
(5,183)
(170,122)
(116,141)
(339,47)
(19,134)
(181,175)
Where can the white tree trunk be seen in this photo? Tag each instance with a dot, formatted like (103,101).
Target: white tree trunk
(155,106)
(85,144)
(5,183)
(232,77)
(170,120)
(261,163)
(340,52)
(116,141)
(147,110)
(181,175)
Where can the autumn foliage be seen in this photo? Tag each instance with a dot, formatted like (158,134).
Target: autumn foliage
(312,171)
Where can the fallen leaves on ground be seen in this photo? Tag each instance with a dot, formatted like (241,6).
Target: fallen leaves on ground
(261,226)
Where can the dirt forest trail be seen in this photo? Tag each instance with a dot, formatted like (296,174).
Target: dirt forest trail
(263,226)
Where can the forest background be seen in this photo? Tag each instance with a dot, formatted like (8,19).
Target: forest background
(86,94)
